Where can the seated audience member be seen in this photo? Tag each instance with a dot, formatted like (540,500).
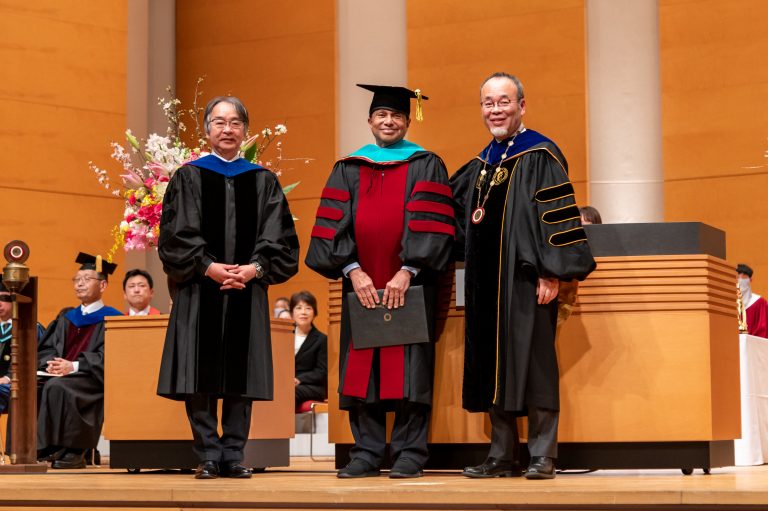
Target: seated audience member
(5,347)
(590,215)
(6,324)
(756,305)
(71,400)
(282,305)
(138,290)
(286,314)
(311,349)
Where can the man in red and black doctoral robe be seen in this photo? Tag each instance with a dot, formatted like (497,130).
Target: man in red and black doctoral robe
(385,221)
(756,306)
(71,400)
(520,234)
(226,234)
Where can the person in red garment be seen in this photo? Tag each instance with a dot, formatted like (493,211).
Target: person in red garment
(756,305)
(385,221)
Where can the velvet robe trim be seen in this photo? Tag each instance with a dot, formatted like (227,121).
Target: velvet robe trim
(77,318)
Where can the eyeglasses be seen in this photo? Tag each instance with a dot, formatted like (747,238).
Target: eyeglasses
(502,104)
(84,280)
(220,124)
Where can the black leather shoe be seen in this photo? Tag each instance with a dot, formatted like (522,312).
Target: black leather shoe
(492,467)
(234,469)
(70,460)
(541,467)
(358,467)
(50,453)
(207,470)
(405,468)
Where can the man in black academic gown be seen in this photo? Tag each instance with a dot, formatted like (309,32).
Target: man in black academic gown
(226,233)
(385,221)
(515,200)
(71,401)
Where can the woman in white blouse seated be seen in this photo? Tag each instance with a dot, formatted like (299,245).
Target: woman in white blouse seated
(311,349)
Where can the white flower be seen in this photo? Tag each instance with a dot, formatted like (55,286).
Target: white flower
(280,129)
(266,132)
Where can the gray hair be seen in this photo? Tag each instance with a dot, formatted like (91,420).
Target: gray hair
(514,79)
(242,112)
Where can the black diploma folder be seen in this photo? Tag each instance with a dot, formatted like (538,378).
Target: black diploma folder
(380,327)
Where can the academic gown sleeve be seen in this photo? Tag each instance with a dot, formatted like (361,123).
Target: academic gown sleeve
(332,245)
(277,247)
(430,229)
(181,246)
(461,188)
(559,245)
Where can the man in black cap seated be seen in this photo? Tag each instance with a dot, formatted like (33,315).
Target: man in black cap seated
(226,234)
(6,309)
(71,403)
(385,221)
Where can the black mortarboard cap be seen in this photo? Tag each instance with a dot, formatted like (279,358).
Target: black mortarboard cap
(743,268)
(394,98)
(95,262)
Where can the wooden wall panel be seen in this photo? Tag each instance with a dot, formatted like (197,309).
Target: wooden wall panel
(454,45)
(279,58)
(714,84)
(62,100)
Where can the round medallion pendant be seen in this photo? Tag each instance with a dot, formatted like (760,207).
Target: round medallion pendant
(477,215)
(500,175)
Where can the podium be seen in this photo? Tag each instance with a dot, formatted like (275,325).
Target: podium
(649,360)
(148,431)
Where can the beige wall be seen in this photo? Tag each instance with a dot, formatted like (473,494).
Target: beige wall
(279,58)
(65,95)
(715,124)
(453,48)
(62,100)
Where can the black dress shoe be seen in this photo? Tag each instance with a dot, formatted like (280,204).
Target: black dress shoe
(234,469)
(405,468)
(541,467)
(207,470)
(492,467)
(70,460)
(358,467)
(50,453)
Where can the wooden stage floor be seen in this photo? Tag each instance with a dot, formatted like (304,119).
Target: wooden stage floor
(313,485)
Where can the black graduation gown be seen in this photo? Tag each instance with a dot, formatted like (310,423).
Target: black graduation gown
(532,229)
(218,342)
(426,243)
(311,365)
(71,409)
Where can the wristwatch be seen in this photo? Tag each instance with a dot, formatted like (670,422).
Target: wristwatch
(259,270)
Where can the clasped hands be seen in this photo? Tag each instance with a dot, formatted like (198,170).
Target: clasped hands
(59,366)
(394,292)
(231,276)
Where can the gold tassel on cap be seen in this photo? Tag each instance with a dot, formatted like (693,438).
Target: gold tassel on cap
(98,264)
(419,111)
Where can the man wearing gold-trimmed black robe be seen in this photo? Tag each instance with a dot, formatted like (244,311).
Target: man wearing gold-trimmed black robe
(520,234)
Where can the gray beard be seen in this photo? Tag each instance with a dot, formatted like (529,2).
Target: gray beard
(499,132)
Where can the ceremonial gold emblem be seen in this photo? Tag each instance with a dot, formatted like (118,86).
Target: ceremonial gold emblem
(500,175)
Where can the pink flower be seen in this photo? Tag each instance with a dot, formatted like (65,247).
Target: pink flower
(132,200)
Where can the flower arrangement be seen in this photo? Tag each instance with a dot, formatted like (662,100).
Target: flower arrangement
(148,166)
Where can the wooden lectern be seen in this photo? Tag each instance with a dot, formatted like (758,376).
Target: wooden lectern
(148,431)
(649,360)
